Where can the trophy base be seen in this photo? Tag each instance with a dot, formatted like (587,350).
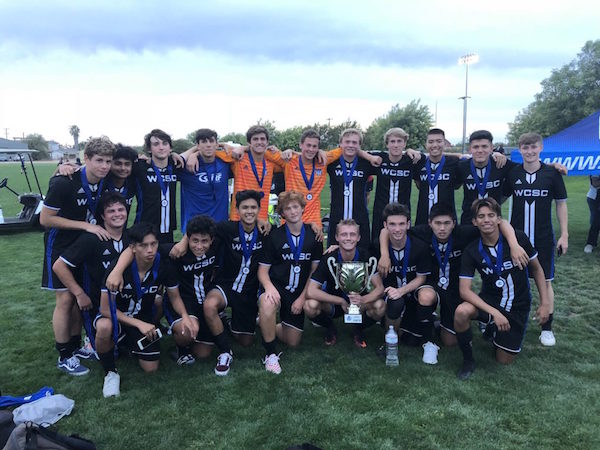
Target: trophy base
(352,318)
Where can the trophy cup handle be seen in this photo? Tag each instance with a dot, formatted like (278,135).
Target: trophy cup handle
(331,264)
(372,264)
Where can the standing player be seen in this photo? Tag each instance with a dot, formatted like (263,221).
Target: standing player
(69,208)
(325,303)
(157,185)
(130,311)
(505,298)
(437,177)
(533,185)
(348,180)
(236,285)
(92,256)
(291,254)
(119,178)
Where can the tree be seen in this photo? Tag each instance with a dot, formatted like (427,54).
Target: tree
(37,142)
(74,131)
(568,95)
(181,145)
(413,118)
(238,138)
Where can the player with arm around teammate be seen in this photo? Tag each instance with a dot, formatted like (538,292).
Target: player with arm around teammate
(505,298)
(292,253)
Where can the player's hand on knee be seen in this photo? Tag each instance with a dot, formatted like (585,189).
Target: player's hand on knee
(189,327)
(83,301)
(501,322)
(393,293)
(298,305)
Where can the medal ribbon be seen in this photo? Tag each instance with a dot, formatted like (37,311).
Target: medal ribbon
(498,267)
(442,262)
(161,183)
(348,173)
(481,183)
(436,176)
(309,183)
(139,292)
(253,166)
(88,192)
(247,249)
(295,250)
(404,259)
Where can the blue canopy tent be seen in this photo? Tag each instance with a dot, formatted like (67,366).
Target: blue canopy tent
(577,147)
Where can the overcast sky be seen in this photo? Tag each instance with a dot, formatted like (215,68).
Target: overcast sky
(123,68)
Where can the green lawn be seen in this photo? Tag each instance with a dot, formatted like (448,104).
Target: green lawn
(340,397)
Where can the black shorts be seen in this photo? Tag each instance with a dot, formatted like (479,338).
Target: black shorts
(194,309)
(546,259)
(130,336)
(410,323)
(51,253)
(449,301)
(286,315)
(244,308)
(511,340)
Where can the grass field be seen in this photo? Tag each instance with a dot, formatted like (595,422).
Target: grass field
(340,397)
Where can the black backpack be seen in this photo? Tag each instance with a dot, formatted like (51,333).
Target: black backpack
(29,436)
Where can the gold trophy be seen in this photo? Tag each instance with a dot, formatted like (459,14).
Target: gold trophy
(352,277)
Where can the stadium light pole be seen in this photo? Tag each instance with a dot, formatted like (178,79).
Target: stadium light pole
(470,58)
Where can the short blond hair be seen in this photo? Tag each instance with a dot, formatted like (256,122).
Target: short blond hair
(395,132)
(102,146)
(352,131)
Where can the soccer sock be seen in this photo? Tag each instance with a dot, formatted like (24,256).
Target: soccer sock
(222,341)
(64,349)
(323,320)
(424,316)
(270,347)
(75,342)
(366,322)
(183,350)
(107,360)
(548,325)
(465,343)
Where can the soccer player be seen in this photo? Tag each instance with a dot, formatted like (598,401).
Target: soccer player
(70,208)
(348,181)
(437,177)
(119,178)
(93,255)
(157,185)
(129,312)
(236,285)
(205,190)
(324,302)
(505,298)
(291,255)
(533,186)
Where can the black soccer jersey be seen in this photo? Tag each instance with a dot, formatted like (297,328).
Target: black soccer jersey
(74,199)
(137,300)
(238,270)
(532,201)
(439,188)
(507,291)
(96,256)
(445,263)
(394,182)
(128,190)
(407,263)
(194,273)
(156,200)
(481,183)
(349,201)
(290,264)
(323,276)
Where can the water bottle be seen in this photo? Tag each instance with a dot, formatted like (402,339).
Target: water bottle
(391,347)
(1,215)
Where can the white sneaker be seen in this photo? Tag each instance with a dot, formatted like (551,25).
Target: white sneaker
(223,363)
(588,248)
(112,383)
(430,352)
(547,338)
(271,363)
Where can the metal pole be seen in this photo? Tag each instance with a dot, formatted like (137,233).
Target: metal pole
(464,139)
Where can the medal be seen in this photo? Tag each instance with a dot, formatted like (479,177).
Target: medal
(431,196)
(499,283)
(442,262)
(309,197)
(245,270)
(296,269)
(164,188)
(347,192)
(307,182)
(247,247)
(443,280)
(497,268)
(348,174)
(93,221)
(164,202)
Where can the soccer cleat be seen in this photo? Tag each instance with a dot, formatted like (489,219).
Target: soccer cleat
(331,336)
(112,383)
(588,248)
(186,360)
(466,370)
(547,338)
(271,363)
(87,351)
(223,364)
(72,366)
(430,353)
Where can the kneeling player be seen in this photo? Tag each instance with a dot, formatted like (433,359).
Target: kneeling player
(324,303)
(131,309)
(291,254)
(505,297)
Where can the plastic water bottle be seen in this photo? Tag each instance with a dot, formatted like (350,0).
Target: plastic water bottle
(391,347)
(1,215)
